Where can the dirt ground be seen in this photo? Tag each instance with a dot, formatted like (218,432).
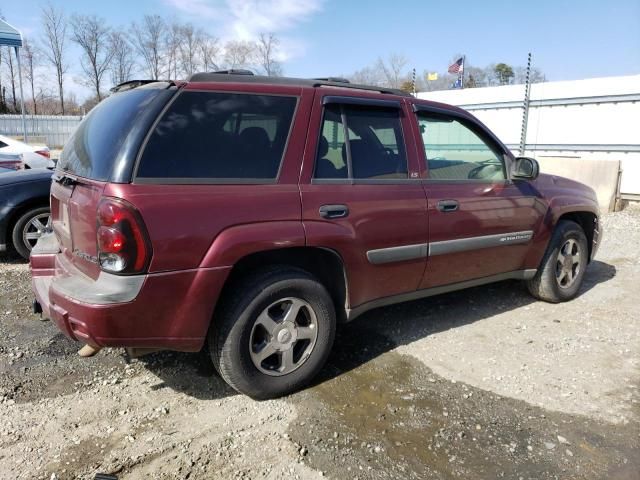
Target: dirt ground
(484,383)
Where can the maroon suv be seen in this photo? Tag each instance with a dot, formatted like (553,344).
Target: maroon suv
(255,213)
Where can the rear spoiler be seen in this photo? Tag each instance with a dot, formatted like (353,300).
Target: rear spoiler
(131,84)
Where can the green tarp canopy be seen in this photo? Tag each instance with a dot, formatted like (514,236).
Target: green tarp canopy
(9,36)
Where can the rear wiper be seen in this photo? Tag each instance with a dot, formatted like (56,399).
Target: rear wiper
(65,180)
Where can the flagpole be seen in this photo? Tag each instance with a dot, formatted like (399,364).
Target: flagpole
(462,79)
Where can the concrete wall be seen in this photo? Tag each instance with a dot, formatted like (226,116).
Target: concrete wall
(601,175)
(593,119)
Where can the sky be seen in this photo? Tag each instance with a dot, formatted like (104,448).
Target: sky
(569,39)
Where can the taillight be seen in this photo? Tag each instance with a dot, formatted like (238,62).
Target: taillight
(123,243)
(44,153)
(12,165)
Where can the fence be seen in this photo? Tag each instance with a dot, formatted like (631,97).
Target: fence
(56,130)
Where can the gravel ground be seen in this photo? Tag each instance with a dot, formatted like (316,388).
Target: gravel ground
(483,383)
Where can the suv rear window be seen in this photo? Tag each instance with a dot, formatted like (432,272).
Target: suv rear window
(219,136)
(94,147)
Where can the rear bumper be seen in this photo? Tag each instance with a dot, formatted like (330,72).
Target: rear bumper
(169,310)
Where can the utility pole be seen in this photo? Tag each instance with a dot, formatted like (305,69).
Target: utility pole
(464,60)
(525,108)
(413,82)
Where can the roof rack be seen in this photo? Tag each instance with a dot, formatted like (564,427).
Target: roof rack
(131,84)
(333,80)
(234,71)
(303,82)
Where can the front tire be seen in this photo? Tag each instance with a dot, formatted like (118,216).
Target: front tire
(273,332)
(563,266)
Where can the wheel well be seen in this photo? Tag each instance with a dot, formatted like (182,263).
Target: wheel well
(587,222)
(24,207)
(324,264)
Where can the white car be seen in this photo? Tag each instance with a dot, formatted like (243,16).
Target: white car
(37,156)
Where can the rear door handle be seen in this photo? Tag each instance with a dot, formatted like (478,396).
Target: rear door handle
(334,211)
(448,205)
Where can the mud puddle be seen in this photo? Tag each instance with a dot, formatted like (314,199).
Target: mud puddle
(391,417)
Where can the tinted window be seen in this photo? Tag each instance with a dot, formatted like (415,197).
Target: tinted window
(219,136)
(330,161)
(375,145)
(455,152)
(94,147)
(2,144)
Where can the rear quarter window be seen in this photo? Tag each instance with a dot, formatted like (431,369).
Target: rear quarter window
(216,136)
(94,147)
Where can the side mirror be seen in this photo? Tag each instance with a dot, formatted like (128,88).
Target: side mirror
(525,168)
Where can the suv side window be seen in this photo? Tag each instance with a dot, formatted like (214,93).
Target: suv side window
(361,142)
(219,136)
(456,152)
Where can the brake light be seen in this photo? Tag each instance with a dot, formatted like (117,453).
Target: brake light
(123,243)
(12,165)
(44,153)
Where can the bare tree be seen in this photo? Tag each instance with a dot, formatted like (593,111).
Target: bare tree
(92,36)
(172,47)
(266,50)
(31,56)
(149,38)
(3,103)
(209,51)
(54,37)
(367,76)
(392,69)
(123,60)
(238,54)
(8,59)
(188,46)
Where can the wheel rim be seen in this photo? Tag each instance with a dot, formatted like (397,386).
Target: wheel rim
(283,336)
(568,263)
(35,228)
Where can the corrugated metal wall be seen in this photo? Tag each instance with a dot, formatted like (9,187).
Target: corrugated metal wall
(592,119)
(55,129)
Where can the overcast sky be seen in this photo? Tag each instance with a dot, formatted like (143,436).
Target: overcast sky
(569,39)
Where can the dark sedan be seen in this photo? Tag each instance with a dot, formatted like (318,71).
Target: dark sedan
(24,208)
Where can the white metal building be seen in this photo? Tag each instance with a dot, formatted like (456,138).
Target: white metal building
(593,119)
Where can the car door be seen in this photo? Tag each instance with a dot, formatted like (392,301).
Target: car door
(361,193)
(481,223)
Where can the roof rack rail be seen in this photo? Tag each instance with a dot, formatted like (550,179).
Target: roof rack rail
(234,71)
(333,79)
(356,86)
(231,76)
(131,84)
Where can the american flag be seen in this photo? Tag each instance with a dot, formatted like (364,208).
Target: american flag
(457,66)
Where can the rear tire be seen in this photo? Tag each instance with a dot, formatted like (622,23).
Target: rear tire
(273,332)
(29,227)
(563,266)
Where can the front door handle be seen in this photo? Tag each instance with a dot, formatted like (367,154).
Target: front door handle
(448,205)
(334,211)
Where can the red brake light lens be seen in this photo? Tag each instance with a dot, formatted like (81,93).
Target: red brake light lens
(44,153)
(110,240)
(122,239)
(13,165)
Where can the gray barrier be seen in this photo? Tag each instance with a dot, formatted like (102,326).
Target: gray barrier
(55,129)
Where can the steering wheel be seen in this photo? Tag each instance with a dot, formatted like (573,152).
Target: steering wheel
(483,171)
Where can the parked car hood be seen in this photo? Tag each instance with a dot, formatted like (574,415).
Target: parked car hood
(21,176)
